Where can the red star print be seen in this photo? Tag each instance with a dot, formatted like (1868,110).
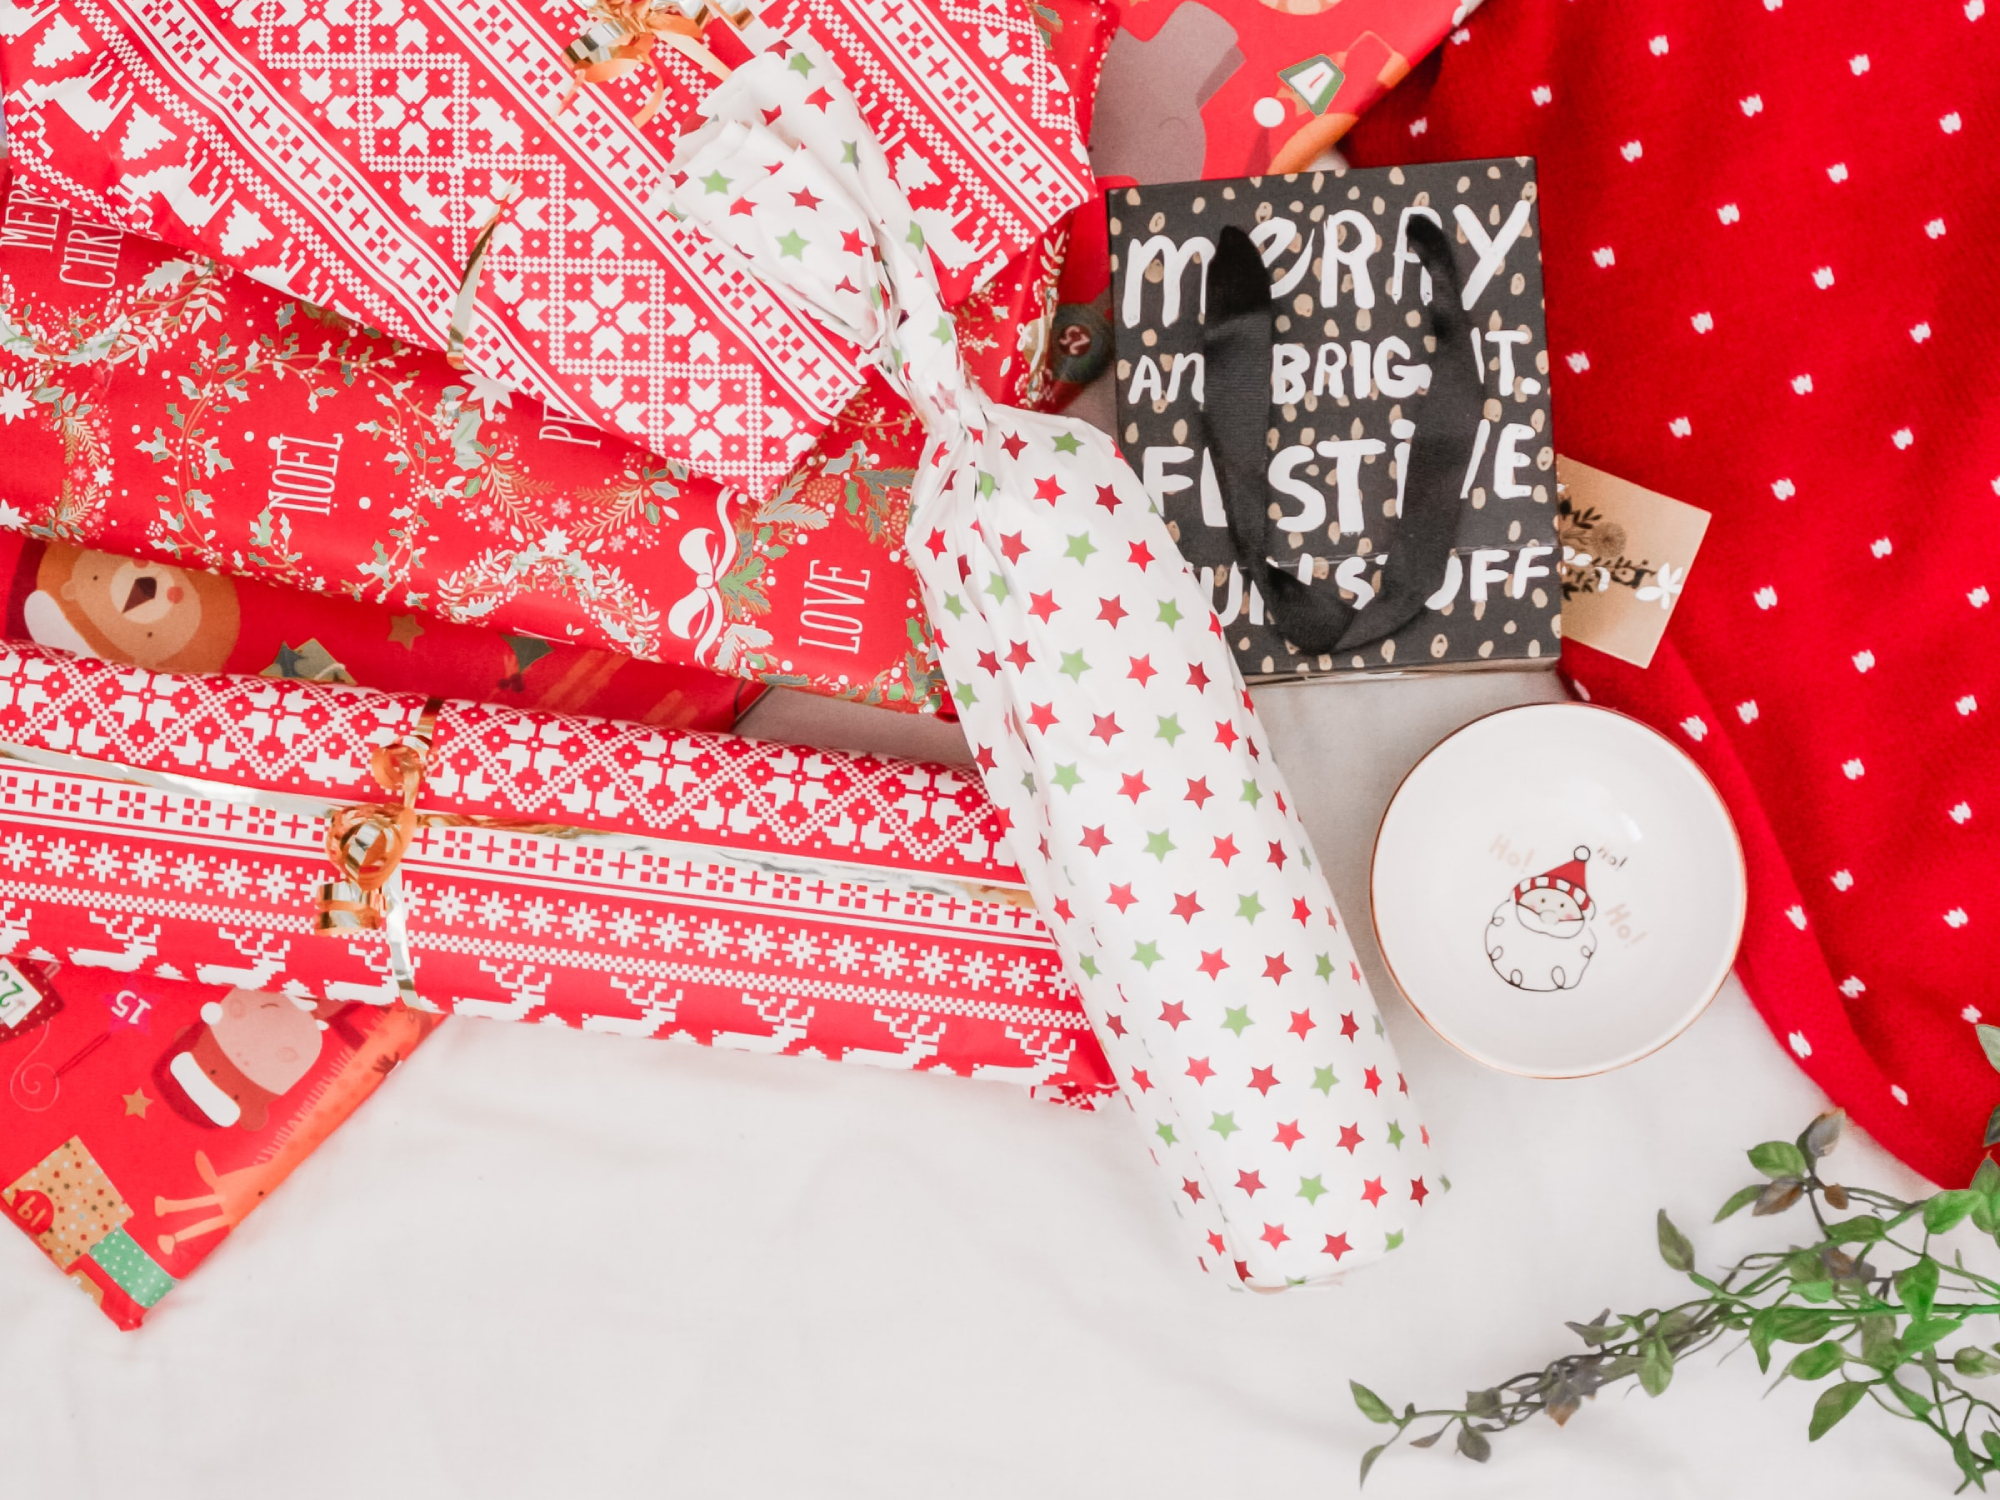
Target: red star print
(1225,734)
(1042,844)
(805,199)
(1141,556)
(819,99)
(1275,968)
(1302,1022)
(1104,727)
(1281,800)
(1142,671)
(771,116)
(984,759)
(1111,610)
(1402,1084)
(1250,1183)
(1289,1134)
(1354,971)
(1274,1235)
(1242,1271)
(1186,907)
(1192,1189)
(1043,716)
(1133,784)
(1349,1026)
(1107,497)
(1013,443)
(846,285)
(1199,1070)
(1140,1081)
(1350,1137)
(1225,850)
(1263,1080)
(1004,818)
(1276,855)
(1049,489)
(1019,654)
(1198,792)
(1372,1081)
(1212,964)
(1095,839)
(742,206)
(1197,676)
(1062,910)
(1301,911)
(1337,1246)
(989,663)
(1121,897)
(852,243)
(1173,1013)
(937,542)
(1418,1192)
(1115,1024)
(1373,1191)
(1043,605)
(1215,1242)
(1012,547)
(1425,1132)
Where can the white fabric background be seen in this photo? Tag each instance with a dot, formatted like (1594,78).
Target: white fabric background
(548,1264)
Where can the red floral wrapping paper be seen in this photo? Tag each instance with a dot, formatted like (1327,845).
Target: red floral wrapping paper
(730,892)
(159,407)
(355,159)
(109,1162)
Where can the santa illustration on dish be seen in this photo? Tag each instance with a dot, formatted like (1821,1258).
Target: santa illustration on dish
(1540,937)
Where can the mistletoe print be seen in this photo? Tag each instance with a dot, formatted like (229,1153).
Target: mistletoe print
(1114,734)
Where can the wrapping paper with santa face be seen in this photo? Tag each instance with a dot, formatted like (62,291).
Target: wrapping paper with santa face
(364,160)
(610,876)
(1117,742)
(142,1119)
(156,406)
(151,614)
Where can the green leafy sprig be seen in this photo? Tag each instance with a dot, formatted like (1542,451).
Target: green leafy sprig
(1870,1304)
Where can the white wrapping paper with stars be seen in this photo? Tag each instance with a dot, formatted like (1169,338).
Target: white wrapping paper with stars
(1109,723)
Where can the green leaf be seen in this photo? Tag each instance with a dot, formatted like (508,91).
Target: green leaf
(1946,1211)
(1878,1341)
(1992,1128)
(1760,1335)
(1928,1333)
(1483,1403)
(1817,1362)
(1656,1366)
(1674,1247)
(1864,1230)
(1814,1291)
(1916,1287)
(1741,1200)
(1990,1440)
(1920,1406)
(1473,1444)
(1823,1134)
(1972,1361)
(1373,1407)
(1989,1040)
(1799,1325)
(1368,1459)
(1429,1438)
(1987,1178)
(1779,1159)
(1835,1402)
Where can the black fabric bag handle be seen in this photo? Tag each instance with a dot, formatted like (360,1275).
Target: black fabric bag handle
(1236,352)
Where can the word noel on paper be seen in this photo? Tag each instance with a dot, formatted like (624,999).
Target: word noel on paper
(1350,364)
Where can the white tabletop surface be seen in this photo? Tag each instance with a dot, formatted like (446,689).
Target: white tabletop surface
(545,1264)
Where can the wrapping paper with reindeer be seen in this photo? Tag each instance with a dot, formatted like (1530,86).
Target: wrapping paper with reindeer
(142,1119)
(489,176)
(614,877)
(159,407)
(1133,784)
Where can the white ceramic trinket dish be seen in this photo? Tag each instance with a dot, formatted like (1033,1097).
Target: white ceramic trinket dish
(1558,890)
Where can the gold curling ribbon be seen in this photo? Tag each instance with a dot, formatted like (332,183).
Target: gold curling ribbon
(366,842)
(627,37)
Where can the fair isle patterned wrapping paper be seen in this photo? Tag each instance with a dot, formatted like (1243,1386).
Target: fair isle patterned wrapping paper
(351,155)
(1135,787)
(738,894)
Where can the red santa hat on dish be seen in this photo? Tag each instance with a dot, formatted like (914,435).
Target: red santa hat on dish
(1566,877)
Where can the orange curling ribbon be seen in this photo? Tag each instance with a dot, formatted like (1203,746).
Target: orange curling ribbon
(366,843)
(629,36)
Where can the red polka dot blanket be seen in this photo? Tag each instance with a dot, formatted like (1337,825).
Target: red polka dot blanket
(1768,235)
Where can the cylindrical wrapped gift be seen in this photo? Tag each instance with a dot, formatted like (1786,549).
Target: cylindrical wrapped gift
(611,876)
